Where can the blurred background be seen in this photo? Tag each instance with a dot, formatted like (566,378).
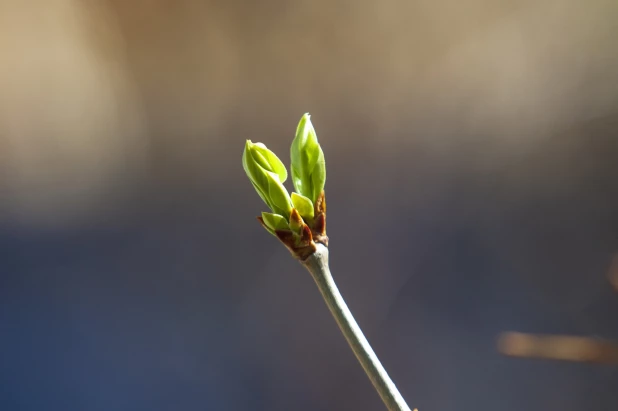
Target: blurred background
(471,149)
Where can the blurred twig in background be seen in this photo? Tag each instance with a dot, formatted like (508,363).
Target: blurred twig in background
(558,347)
(562,347)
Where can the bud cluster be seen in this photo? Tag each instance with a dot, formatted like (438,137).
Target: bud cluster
(298,220)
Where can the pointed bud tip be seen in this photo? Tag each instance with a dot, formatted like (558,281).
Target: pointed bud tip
(304,125)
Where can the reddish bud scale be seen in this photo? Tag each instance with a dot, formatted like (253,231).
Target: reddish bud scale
(303,243)
(318,228)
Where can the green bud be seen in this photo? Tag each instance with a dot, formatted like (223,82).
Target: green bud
(267,174)
(308,167)
(303,205)
(274,222)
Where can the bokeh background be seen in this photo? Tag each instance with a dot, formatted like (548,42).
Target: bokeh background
(471,149)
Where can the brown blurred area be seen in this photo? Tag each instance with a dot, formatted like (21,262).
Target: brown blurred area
(101,94)
(471,151)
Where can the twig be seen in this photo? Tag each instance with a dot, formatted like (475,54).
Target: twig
(317,264)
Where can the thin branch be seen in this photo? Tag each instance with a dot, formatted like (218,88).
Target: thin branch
(317,264)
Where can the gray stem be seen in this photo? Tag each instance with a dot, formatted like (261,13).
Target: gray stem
(317,264)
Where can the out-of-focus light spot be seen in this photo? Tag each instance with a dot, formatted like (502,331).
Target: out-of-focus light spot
(71,126)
